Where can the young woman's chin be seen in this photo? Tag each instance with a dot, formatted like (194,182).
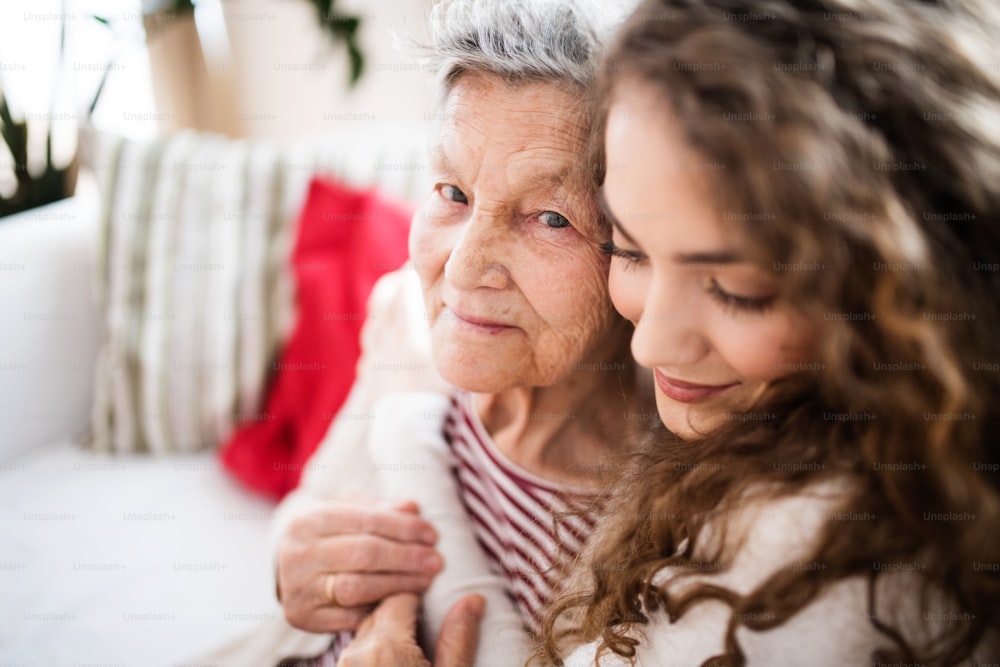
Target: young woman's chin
(685,420)
(691,421)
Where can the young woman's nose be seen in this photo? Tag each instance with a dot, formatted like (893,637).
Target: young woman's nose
(667,333)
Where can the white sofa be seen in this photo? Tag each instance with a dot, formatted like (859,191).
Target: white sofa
(109,560)
(127,560)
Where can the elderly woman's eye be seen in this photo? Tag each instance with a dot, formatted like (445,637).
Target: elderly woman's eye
(553,219)
(451,193)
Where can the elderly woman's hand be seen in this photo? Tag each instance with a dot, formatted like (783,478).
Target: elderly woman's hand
(338,558)
(388,636)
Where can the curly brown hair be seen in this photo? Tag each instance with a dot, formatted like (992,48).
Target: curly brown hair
(865,135)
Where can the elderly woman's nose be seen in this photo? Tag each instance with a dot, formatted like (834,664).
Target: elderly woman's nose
(477,258)
(667,332)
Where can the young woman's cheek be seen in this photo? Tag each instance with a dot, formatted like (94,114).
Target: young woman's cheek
(627,290)
(765,346)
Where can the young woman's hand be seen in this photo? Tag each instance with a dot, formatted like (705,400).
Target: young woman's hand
(389,635)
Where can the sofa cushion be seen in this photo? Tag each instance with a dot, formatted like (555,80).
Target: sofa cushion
(195,284)
(346,240)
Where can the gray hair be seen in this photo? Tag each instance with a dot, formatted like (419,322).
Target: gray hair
(552,41)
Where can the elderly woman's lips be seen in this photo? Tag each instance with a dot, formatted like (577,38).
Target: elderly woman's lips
(478,323)
(687,392)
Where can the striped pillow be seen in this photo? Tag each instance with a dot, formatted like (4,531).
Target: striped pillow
(193,277)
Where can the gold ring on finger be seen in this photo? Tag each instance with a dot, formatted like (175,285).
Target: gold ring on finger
(331,594)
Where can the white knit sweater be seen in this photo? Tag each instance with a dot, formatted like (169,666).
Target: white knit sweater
(834,630)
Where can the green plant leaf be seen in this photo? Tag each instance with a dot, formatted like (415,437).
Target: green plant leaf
(357,62)
(182,6)
(342,28)
(15,135)
(345,25)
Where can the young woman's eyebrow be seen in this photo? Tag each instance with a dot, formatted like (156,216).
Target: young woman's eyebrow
(602,204)
(711,257)
(723,257)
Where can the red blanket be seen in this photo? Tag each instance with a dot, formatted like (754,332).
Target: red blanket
(346,241)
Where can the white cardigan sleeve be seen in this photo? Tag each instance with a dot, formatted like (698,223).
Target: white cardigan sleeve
(413,461)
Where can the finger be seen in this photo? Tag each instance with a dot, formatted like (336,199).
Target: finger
(367,553)
(381,520)
(459,637)
(327,619)
(354,590)
(387,636)
(396,616)
(408,506)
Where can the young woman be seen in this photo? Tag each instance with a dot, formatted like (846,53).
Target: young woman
(806,204)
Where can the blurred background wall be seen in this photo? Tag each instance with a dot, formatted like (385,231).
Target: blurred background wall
(253,68)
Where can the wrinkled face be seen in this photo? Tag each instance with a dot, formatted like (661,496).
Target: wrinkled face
(712,324)
(507,243)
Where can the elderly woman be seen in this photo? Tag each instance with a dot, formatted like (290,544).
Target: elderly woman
(506,249)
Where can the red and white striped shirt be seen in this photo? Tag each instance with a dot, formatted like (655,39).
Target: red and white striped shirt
(530,527)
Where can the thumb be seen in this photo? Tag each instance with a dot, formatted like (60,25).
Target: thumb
(406,506)
(459,637)
(396,616)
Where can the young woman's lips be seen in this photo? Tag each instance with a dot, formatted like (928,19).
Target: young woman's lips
(479,324)
(686,392)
